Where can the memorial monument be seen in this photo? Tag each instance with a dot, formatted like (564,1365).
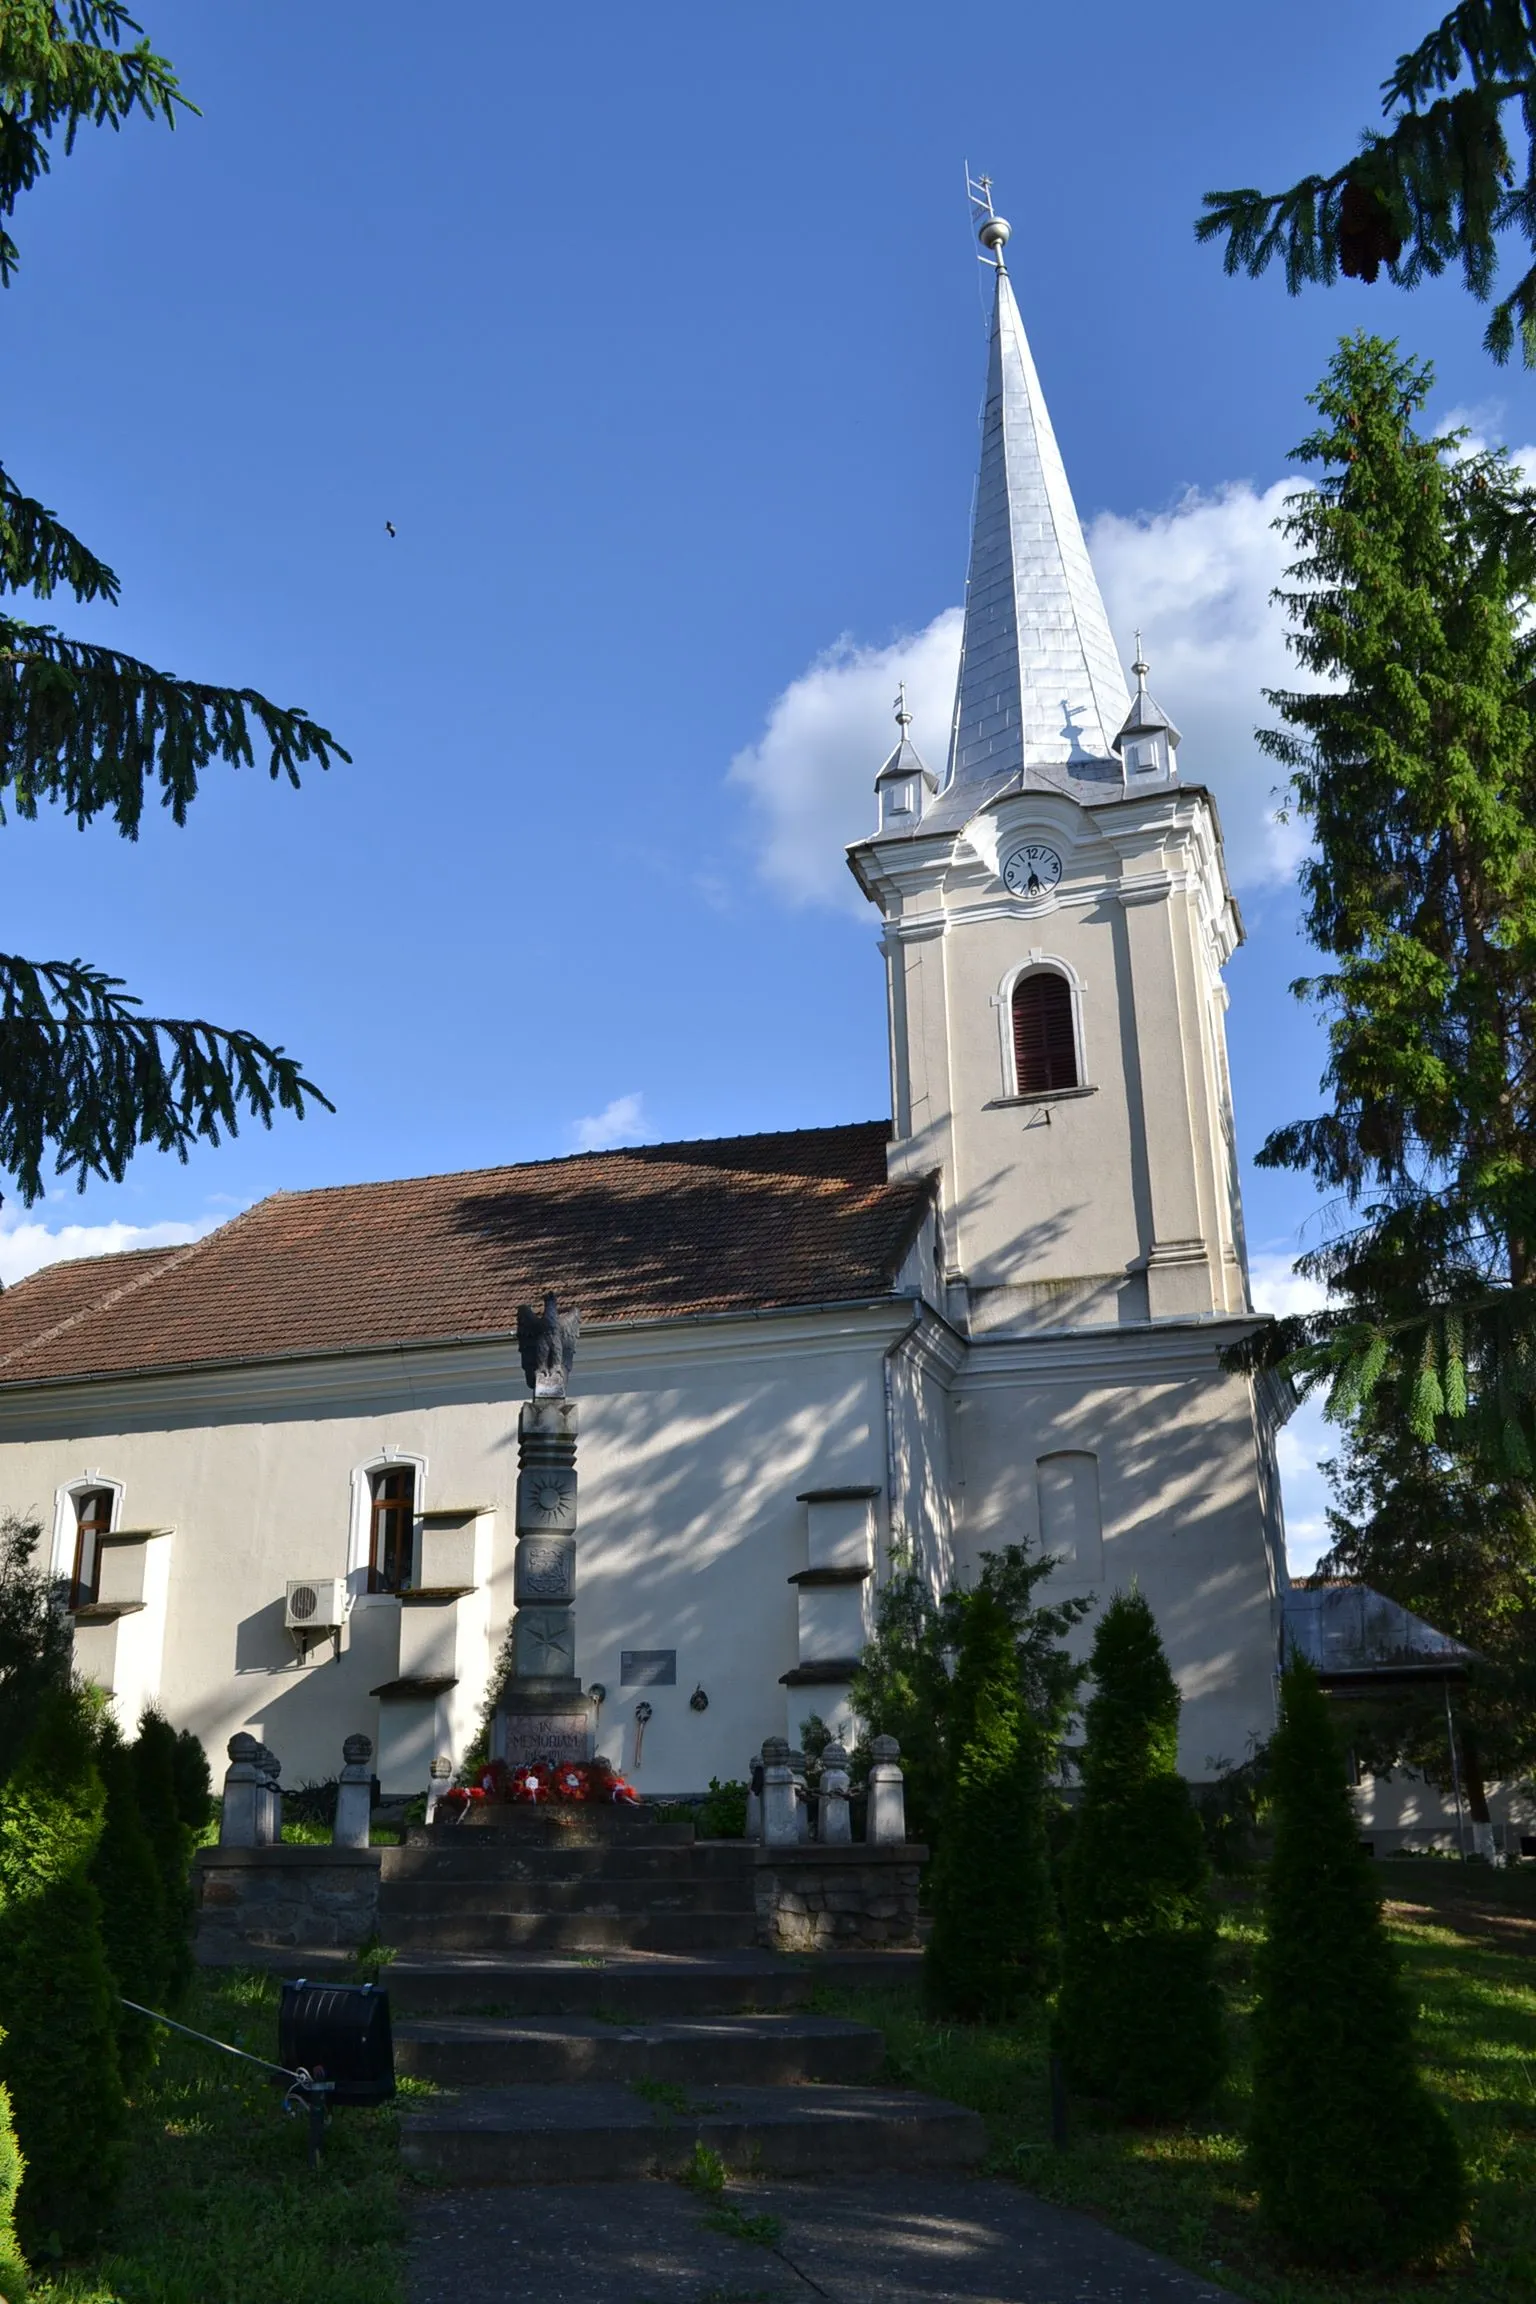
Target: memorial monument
(541,1713)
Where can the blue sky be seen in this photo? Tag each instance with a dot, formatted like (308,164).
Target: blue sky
(659,337)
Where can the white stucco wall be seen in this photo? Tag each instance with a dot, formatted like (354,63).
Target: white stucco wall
(695,1440)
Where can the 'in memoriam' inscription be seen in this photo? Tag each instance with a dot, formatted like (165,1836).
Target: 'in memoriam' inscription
(648,1668)
(552,1736)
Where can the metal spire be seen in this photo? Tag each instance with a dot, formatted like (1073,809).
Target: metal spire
(1041,688)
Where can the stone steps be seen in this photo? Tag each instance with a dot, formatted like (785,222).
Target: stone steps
(487,1856)
(774,2051)
(414,1900)
(641,1987)
(600,2131)
(443,1928)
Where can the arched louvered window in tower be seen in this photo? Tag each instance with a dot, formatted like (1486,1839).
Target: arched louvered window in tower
(1044,1039)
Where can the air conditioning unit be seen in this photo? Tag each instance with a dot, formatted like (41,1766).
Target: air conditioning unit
(315,1604)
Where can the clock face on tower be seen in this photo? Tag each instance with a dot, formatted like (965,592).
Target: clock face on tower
(1031,872)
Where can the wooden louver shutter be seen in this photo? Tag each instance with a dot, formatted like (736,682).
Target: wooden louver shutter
(1044,1043)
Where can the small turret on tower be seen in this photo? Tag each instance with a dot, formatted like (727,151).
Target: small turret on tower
(905,782)
(1148,739)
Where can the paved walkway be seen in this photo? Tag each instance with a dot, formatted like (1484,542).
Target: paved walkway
(890,2240)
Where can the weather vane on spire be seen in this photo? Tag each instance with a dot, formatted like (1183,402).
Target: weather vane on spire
(903,716)
(992,230)
(1141,667)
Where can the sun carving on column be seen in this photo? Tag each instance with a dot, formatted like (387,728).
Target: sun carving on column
(548,1499)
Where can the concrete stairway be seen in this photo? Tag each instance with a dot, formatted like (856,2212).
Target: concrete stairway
(586,1995)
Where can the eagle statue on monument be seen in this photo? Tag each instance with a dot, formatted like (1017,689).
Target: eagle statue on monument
(546,1344)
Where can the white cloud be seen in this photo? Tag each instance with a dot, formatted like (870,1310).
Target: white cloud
(811,774)
(1196,579)
(26,1246)
(621,1122)
(1279,1288)
(1308,1438)
(1304,1444)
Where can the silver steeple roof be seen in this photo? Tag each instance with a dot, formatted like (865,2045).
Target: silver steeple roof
(1041,692)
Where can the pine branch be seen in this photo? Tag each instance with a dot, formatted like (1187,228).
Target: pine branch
(63,64)
(85,1077)
(38,553)
(90,729)
(1438,188)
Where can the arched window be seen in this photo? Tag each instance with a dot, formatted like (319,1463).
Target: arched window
(392,1526)
(1044,1038)
(93,1521)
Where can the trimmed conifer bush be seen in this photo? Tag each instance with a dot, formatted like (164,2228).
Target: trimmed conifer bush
(13,2273)
(58,2003)
(993,1947)
(127,1879)
(194,1783)
(1355,2162)
(159,1774)
(1139,2018)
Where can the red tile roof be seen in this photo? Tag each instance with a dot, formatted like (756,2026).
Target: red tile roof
(740,1223)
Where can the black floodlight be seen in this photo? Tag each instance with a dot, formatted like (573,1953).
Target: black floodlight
(339,2034)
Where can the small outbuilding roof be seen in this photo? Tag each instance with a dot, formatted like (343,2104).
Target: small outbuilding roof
(1352,1635)
(732,1224)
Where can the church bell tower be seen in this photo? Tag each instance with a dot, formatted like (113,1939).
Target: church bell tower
(1056,919)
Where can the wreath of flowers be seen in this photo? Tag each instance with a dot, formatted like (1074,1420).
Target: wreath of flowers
(537,1783)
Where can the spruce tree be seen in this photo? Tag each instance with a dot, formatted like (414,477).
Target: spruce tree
(1356,2164)
(13,2272)
(1413,765)
(58,2003)
(126,1876)
(157,1773)
(1139,2018)
(993,1949)
(85,1079)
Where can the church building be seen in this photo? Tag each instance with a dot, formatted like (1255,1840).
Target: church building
(276,1468)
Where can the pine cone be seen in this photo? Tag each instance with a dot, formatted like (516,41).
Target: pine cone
(1367,236)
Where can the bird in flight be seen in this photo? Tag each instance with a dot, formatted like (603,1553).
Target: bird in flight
(389,527)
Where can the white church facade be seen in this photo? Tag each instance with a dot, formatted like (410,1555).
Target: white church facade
(999,1316)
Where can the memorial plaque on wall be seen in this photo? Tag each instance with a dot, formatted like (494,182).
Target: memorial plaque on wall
(648,1668)
(554,1736)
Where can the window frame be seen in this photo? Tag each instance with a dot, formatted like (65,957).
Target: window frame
(1038,963)
(100,1526)
(384,1512)
(361,1588)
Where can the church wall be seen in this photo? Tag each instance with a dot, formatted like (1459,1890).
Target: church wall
(695,1439)
(1181,1513)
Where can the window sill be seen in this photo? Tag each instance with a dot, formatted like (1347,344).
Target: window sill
(1040,1096)
(105,1611)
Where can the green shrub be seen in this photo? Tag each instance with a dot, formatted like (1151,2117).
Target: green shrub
(194,1783)
(127,1879)
(723,1815)
(993,1947)
(156,1773)
(36,1637)
(13,2273)
(1139,2019)
(1355,2162)
(58,2004)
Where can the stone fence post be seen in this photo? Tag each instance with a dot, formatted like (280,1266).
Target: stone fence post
(802,1794)
(781,1818)
(833,1822)
(886,1820)
(354,1794)
(245,1796)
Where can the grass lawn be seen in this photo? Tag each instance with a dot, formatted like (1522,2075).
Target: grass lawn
(1184,2191)
(220,2206)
